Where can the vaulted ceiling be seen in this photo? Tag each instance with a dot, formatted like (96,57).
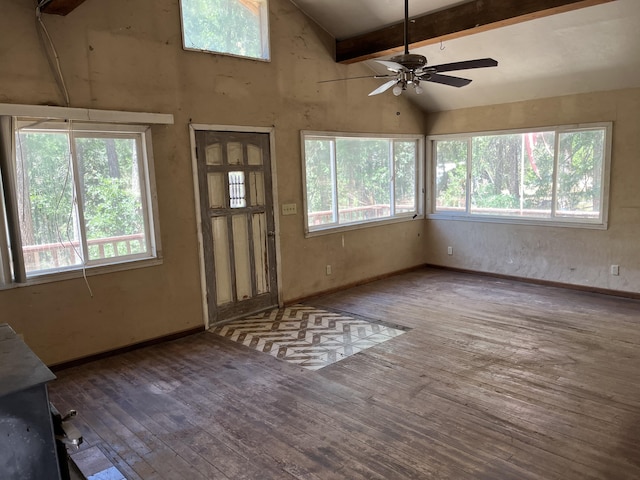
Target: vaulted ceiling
(592,48)
(545,48)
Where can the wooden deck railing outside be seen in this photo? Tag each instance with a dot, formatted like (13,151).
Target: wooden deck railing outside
(356,214)
(63,254)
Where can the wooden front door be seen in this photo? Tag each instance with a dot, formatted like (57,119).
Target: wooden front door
(238,232)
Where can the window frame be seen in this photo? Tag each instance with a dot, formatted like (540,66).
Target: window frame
(600,223)
(265,37)
(337,227)
(10,278)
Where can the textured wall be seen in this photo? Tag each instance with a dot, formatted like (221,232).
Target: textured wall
(126,55)
(569,255)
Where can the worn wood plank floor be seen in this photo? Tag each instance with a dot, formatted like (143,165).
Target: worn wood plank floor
(497,380)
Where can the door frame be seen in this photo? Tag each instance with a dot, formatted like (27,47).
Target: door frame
(193,127)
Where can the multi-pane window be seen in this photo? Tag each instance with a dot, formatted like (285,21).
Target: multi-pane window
(354,179)
(555,174)
(80,195)
(233,27)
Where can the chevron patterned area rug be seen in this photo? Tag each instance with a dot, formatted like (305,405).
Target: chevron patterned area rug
(308,336)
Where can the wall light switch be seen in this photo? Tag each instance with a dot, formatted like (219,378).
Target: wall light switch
(289,209)
(449,250)
(615,270)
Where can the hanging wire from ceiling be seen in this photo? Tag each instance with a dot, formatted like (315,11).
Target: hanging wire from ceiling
(55,61)
(57,71)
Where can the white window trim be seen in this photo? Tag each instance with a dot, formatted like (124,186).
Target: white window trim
(107,121)
(595,224)
(265,38)
(85,114)
(336,228)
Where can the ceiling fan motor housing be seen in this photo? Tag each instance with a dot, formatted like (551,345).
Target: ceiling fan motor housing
(410,61)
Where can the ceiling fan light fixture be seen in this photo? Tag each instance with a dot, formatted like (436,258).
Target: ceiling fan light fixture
(418,89)
(397,90)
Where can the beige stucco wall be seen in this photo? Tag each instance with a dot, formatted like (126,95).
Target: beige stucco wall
(127,55)
(568,255)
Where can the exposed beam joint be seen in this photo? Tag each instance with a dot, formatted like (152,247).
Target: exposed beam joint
(461,20)
(61,7)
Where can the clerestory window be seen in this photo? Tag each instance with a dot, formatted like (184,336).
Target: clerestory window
(231,27)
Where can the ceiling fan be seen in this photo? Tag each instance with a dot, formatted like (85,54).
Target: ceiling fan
(412,69)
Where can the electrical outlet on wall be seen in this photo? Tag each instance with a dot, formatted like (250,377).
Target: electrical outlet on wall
(328,269)
(615,270)
(289,209)
(449,250)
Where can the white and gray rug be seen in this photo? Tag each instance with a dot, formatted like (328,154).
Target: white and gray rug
(308,336)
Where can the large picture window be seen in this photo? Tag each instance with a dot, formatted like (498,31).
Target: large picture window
(79,195)
(557,174)
(232,27)
(356,179)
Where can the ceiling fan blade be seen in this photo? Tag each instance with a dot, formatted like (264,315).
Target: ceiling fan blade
(384,87)
(465,65)
(355,78)
(393,66)
(446,80)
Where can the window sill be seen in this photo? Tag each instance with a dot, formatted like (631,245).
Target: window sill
(361,225)
(537,222)
(90,271)
(227,54)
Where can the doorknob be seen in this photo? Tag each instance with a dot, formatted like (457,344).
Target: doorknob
(271,234)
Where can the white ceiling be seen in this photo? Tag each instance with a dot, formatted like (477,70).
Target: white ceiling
(592,49)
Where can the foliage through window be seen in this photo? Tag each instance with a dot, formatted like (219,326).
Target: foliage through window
(234,27)
(556,174)
(82,194)
(358,179)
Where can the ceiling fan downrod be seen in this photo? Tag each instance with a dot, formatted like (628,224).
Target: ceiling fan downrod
(406,27)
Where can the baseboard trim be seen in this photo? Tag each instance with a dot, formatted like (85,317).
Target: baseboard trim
(353,284)
(117,351)
(548,283)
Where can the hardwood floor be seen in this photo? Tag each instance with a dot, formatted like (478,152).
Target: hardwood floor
(496,380)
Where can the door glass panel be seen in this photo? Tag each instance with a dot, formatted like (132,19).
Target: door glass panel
(234,153)
(254,155)
(237,194)
(256,187)
(216,190)
(221,260)
(241,256)
(260,252)
(214,154)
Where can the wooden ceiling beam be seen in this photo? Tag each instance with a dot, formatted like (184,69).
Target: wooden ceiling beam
(461,20)
(61,7)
